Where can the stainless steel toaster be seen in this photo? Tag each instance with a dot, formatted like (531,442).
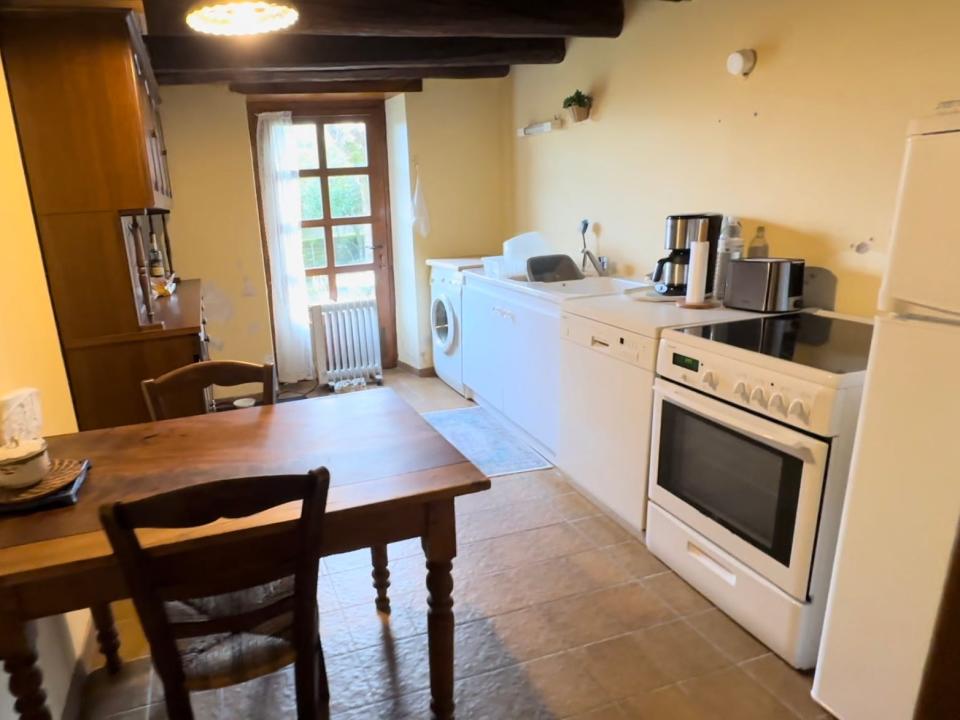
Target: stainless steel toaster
(765,284)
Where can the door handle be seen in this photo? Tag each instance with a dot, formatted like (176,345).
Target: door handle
(712,565)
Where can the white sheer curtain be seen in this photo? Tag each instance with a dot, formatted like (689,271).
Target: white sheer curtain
(280,199)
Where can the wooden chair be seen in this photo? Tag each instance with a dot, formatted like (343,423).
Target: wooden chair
(190,381)
(213,620)
(165,395)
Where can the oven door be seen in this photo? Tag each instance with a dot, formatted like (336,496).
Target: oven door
(746,483)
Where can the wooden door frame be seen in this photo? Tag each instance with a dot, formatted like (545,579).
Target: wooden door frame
(373,112)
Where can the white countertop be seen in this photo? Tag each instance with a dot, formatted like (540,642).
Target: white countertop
(455,263)
(645,317)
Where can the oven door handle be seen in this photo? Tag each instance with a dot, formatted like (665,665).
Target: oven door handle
(802,452)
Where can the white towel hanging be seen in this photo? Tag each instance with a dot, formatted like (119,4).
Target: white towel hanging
(421,216)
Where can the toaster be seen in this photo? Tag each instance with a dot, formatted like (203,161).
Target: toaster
(765,284)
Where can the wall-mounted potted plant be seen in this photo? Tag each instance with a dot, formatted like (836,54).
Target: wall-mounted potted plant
(578,105)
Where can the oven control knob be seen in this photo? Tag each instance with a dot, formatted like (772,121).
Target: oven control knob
(742,391)
(758,397)
(800,410)
(709,380)
(778,403)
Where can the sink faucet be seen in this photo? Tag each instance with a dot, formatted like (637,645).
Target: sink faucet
(599,264)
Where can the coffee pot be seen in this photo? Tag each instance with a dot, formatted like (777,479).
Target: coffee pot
(670,275)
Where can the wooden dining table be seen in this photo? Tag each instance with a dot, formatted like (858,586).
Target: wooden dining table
(393,477)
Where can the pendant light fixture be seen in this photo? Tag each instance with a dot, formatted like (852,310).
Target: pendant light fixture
(241,17)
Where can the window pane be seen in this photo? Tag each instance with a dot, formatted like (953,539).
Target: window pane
(349,196)
(318,289)
(346,144)
(311,198)
(352,244)
(356,285)
(314,247)
(308,156)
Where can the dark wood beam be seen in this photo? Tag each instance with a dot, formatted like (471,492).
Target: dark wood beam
(429,18)
(315,52)
(319,76)
(317,88)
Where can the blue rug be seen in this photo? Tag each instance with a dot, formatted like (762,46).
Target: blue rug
(485,442)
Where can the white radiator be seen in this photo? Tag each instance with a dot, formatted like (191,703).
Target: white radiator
(346,341)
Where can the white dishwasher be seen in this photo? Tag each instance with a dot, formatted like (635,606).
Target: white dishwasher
(605,411)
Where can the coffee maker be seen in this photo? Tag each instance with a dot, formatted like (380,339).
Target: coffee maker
(670,276)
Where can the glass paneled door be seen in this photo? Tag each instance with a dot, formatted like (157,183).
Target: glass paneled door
(345,227)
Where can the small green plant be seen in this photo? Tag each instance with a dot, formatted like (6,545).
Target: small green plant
(578,99)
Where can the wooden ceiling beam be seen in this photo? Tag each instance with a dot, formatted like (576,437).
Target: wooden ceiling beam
(315,52)
(429,18)
(319,76)
(317,88)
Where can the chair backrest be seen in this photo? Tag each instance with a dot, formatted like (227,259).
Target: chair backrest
(157,577)
(162,394)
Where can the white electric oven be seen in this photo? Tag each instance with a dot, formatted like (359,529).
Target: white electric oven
(748,484)
(752,430)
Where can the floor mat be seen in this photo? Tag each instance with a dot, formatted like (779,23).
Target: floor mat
(485,442)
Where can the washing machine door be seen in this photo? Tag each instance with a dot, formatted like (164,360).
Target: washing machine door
(444,324)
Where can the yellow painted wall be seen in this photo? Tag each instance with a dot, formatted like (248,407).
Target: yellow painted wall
(457,138)
(30,356)
(214,224)
(809,145)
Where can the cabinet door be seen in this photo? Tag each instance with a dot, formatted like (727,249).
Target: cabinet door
(484,335)
(532,381)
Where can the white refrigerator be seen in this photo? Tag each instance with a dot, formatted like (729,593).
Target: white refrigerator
(903,500)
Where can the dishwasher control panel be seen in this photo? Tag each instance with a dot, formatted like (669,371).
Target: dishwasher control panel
(608,340)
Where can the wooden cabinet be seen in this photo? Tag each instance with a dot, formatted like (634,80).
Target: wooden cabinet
(86,107)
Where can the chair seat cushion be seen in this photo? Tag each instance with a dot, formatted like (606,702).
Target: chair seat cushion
(213,661)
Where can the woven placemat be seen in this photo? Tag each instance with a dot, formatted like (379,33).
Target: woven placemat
(62,473)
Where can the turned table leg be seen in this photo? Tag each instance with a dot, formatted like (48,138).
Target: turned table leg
(107,637)
(18,648)
(440,547)
(381,576)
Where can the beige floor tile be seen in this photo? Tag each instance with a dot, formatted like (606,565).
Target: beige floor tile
(723,632)
(669,703)
(633,606)
(519,549)
(499,521)
(677,594)
(634,557)
(579,620)
(574,506)
(607,712)
(504,693)
(600,567)
(623,666)
(563,686)
(531,633)
(731,695)
(790,686)
(680,652)
(602,531)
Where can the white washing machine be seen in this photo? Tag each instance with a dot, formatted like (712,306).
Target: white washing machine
(446,304)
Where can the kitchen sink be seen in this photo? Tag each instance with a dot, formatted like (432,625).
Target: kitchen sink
(588,286)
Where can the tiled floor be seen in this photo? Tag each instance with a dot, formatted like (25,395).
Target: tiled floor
(560,614)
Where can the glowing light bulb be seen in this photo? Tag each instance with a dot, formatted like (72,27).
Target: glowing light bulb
(241,17)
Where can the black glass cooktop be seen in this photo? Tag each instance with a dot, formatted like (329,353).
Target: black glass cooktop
(825,343)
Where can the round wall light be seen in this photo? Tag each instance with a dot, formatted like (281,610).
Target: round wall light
(742,62)
(241,17)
